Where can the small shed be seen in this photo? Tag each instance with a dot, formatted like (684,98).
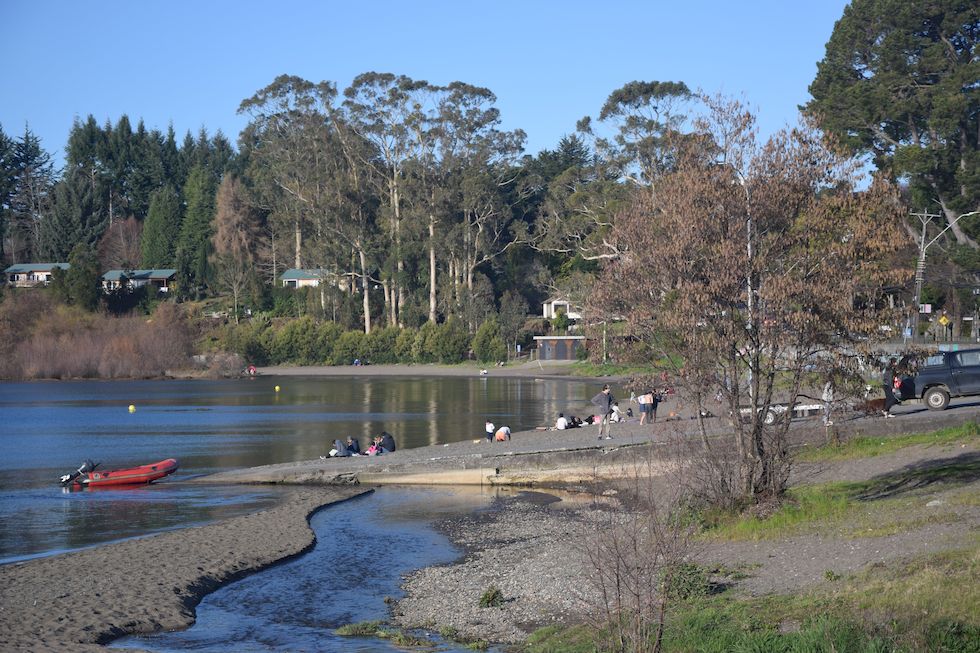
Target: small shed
(305,278)
(559,348)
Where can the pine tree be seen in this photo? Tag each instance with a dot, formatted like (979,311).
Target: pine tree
(77,217)
(194,243)
(161,229)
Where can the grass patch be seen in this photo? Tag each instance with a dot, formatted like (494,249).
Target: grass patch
(362,629)
(930,604)
(378,630)
(492,598)
(883,506)
(868,446)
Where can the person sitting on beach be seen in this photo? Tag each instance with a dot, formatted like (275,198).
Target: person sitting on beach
(375,448)
(502,434)
(339,449)
(574,422)
(353,446)
(616,415)
(387,442)
(561,424)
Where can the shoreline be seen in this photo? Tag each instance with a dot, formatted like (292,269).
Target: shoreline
(83,599)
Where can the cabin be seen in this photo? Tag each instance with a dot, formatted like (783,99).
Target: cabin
(161,279)
(29,275)
(556,305)
(560,348)
(296,278)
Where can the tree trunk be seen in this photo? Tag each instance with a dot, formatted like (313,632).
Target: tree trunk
(299,245)
(432,268)
(366,289)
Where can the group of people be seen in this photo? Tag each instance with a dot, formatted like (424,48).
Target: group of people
(494,434)
(380,444)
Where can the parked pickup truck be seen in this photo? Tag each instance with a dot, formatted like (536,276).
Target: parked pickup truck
(776,412)
(943,375)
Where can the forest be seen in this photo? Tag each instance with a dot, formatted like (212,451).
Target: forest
(415,206)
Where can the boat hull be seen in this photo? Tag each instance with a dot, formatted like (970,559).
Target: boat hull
(133,476)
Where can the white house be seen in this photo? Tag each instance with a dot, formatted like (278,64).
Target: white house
(555,305)
(26,275)
(295,278)
(161,279)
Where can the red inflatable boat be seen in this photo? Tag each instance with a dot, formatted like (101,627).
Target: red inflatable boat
(87,476)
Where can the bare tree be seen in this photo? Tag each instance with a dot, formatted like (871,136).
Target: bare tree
(235,236)
(750,264)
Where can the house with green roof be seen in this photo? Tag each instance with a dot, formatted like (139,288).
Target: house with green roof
(297,278)
(161,279)
(28,275)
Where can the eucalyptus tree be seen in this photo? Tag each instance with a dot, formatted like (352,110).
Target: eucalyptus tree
(478,159)
(633,143)
(388,111)
(310,166)
(898,82)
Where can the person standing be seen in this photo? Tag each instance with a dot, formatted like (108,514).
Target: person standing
(490,429)
(888,385)
(603,403)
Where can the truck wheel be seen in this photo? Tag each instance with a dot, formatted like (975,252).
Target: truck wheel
(936,399)
(770,418)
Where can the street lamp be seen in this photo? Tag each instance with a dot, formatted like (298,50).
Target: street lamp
(920,267)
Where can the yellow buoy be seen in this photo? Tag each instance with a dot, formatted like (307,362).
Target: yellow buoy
(132,408)
(277,388)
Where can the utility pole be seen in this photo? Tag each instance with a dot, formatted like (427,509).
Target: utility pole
(920,268)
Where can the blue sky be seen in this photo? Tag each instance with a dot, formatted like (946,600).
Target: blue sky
(549,63)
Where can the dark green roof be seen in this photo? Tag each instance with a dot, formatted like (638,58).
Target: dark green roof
(20,268)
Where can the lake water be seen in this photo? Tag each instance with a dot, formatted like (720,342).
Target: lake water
(48,428)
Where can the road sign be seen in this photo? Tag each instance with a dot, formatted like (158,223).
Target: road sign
(944,320)
(925,308)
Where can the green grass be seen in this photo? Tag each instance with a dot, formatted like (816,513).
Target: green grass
(378,630)
(869,446)
(929,604)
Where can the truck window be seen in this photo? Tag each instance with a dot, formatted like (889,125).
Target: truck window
(933,361)
(968,358)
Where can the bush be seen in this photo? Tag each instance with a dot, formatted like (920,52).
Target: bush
(295,342)
(379,346)
(488,346)
(492,598)
(327,335)
(404,344)
(349,346)
(452,342)
(424,347)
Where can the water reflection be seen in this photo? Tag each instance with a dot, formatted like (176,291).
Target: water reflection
(47,429)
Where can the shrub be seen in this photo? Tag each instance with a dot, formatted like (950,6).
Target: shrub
(379,346)
(404,344)
(349,345)
(295,342)
(488,346)
(327,335)
(424,347)
(452,342)
(492,598)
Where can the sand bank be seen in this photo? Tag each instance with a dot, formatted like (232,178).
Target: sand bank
(78,600)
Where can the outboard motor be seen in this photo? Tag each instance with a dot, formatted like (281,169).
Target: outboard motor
(86,467)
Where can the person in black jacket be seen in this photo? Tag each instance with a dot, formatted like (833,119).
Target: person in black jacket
(888,377)
(603,403)
(353,446)
(387,442)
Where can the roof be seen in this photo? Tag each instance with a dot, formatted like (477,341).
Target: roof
(35,267)
(119,275)
(294,273)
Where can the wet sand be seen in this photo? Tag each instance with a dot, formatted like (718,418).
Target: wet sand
(79,600)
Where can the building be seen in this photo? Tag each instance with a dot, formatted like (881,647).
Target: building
(161,279)
(27,275)
(556,305)
(295,278)
(559,348)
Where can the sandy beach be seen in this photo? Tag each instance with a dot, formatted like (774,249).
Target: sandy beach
(79,600)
